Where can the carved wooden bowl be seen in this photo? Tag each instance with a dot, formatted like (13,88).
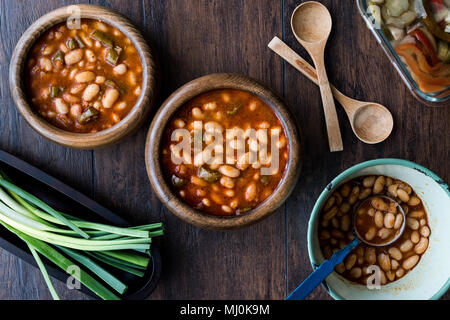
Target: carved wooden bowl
(127,125)
(167,111)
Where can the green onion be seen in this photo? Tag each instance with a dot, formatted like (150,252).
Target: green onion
(134,259)
(29,197)
(44,273)
(117,264)
(115,283)
(87,243)
(64,264)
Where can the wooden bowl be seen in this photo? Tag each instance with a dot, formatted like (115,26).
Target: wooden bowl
(135,117)
(167,111)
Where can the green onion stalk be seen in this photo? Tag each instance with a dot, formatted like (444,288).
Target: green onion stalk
(98,250)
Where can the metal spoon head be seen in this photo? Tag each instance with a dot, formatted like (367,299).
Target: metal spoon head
(372,123)
(311,22)
(384,244)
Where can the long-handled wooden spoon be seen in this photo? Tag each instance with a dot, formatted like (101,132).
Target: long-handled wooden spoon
(371,122)
(311,25)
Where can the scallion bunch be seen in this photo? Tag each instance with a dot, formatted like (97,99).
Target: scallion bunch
(68,241)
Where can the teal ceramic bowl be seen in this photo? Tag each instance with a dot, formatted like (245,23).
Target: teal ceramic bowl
(430,279)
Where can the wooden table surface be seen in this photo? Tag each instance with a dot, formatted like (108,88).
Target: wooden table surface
(195,38)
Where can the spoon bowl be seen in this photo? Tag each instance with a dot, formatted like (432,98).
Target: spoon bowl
(372,123)
(311,22)
(374,244)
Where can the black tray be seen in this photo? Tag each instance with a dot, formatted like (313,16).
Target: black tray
(62,197)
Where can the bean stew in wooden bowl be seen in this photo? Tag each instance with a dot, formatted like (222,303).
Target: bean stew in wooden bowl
(83,80)
(83,76)
(218,181)
(223,152)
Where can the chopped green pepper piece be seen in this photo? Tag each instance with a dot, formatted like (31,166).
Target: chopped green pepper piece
(208,175)
(118,49)
(79,42)
(235,110)
(178,182)
(58,56)
(110,84)
(112,57)
(55,91)
(71,44)
(103,38)
(264,180)
(90,114)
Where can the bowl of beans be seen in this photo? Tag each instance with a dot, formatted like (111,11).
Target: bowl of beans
(83,76)
(400,211)
(223,152)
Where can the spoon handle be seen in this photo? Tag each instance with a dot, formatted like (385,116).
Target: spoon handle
(326,89)
(329,108)
(284,51)
(315,278)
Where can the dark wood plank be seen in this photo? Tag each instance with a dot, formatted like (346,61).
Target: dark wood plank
(197,263)
(23,281)
(357,65)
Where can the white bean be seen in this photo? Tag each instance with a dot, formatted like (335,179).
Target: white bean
(403,195)
(120,69)
(406,246)
(384,261)
(398,221)
(250,192)
(85,76)
(395,253)
(370,234)
(227,182)
(61,106)
(389,220)
(91,92)
(412,223)
(421,246)
(425,231)
(110,97)
(73,56)
(415,237)
(46,64)
(379,219)
(229,171)
(90,55)
(410,262)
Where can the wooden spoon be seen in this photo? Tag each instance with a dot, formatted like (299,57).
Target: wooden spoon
(371,122)
(311,25)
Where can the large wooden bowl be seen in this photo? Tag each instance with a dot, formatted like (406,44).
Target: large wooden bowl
(164,115)
(129,124)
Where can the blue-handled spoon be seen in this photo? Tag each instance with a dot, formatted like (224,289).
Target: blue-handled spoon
(324,270)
